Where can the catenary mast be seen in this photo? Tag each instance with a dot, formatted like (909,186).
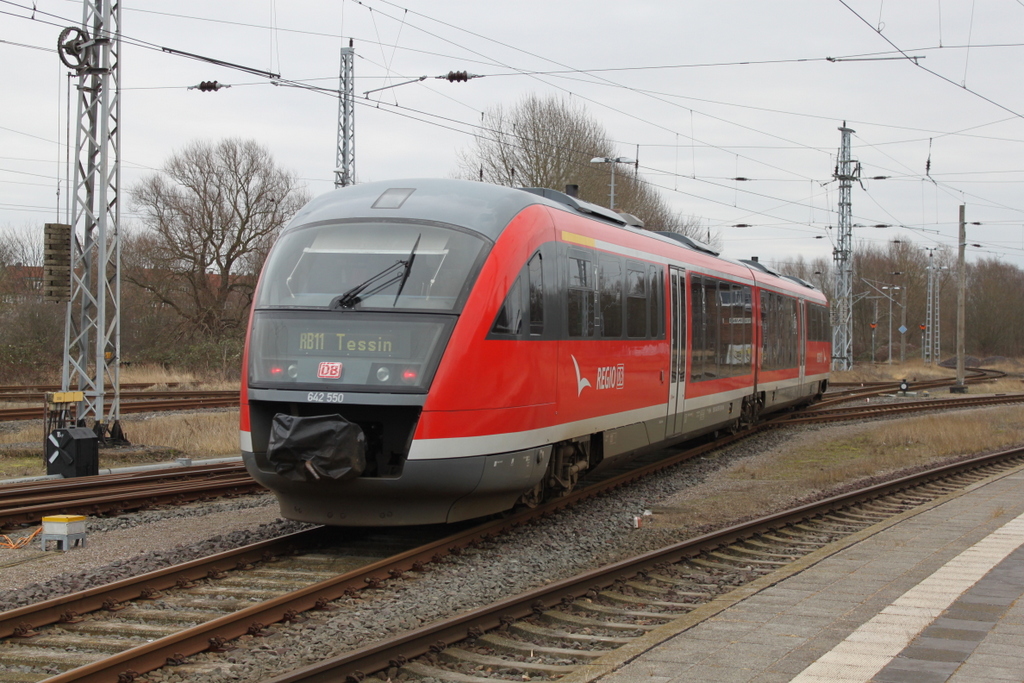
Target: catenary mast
(92,336)
(847,170)
(345,162)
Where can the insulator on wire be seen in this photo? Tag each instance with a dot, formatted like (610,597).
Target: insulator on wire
(208,86)
(460,76)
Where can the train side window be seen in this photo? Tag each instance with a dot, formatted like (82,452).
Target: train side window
(713,331)
(610,288)
(656,279)
(536,294)
(735,351)
(698,329)
(726,330)
(747,312)
(769,348)
(582,297)
(636,302)
(510,316)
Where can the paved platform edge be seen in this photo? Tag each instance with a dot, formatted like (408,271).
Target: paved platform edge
(626,654)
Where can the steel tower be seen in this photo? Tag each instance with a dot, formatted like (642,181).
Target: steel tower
(92,334)
(345,161)
(847,170)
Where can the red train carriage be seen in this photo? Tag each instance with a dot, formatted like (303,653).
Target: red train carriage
(435,350)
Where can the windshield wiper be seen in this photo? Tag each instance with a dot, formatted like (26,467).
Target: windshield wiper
(408,269)
(356,294)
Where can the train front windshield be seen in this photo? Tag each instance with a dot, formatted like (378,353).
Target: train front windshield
(371,266)
(325,311)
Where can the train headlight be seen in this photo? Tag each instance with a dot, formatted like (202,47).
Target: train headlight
(293,371)
(410,375)
(383,374)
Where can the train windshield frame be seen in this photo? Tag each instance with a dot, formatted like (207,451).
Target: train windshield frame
(373,264)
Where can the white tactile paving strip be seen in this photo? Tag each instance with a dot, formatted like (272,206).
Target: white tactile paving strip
(869,648)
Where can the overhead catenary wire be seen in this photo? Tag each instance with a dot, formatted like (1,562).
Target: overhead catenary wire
(692,145)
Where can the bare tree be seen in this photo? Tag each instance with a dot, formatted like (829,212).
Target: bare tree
(31,331)
(549,142)
(209,220)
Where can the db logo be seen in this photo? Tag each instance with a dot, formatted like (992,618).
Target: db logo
(329,370)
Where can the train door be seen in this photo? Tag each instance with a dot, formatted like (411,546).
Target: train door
(677,354)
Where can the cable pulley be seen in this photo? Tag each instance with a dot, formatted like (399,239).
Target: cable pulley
(71,46)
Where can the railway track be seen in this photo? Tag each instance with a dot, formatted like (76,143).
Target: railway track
(819,413)
(547,631)
(840,392)
(27,503)
(566,626)
(150,619)
(142,402)
(105,494)
(42,388)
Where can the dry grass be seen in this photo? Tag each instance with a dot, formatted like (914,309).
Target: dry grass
(155,440)
(820,460)
(1006,385)
(156,374)
(199,435)
(883,372)
(890,446)
(915,369)
(162,379)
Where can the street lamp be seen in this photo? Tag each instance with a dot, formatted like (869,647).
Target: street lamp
(893,288)
(612,161)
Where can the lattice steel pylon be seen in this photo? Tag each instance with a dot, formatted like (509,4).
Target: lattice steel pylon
(933,331)
(847,170)
(92,333)
(345,161)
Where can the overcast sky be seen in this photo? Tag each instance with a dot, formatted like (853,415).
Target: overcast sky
(700,92)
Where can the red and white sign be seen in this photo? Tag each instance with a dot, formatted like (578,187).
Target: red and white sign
(329,370)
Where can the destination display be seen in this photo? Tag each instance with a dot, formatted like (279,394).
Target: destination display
(378,345)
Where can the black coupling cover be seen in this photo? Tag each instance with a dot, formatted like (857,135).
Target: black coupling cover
(316,447)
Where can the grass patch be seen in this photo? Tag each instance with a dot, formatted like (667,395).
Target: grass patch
(154,440)
(198,435)
(890,446)
(917,370)
(162,378)
(824,459)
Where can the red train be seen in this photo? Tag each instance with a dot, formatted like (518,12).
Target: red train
(431,351)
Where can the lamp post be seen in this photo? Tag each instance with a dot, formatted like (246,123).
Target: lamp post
(892,288)
(903,321)
(612,161)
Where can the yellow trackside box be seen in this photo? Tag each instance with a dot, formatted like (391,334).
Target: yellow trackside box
(64,525)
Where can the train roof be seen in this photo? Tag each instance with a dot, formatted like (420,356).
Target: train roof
(482,207)
(488,209)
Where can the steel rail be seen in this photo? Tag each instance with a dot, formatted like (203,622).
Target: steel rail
(353,666)
(124,494)
(146,585)
(867,389)
(81,483)
(882,409)
(157,405)
(10,388)
(142,394)
(202,637)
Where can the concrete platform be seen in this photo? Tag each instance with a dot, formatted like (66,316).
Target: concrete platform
(931,595)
